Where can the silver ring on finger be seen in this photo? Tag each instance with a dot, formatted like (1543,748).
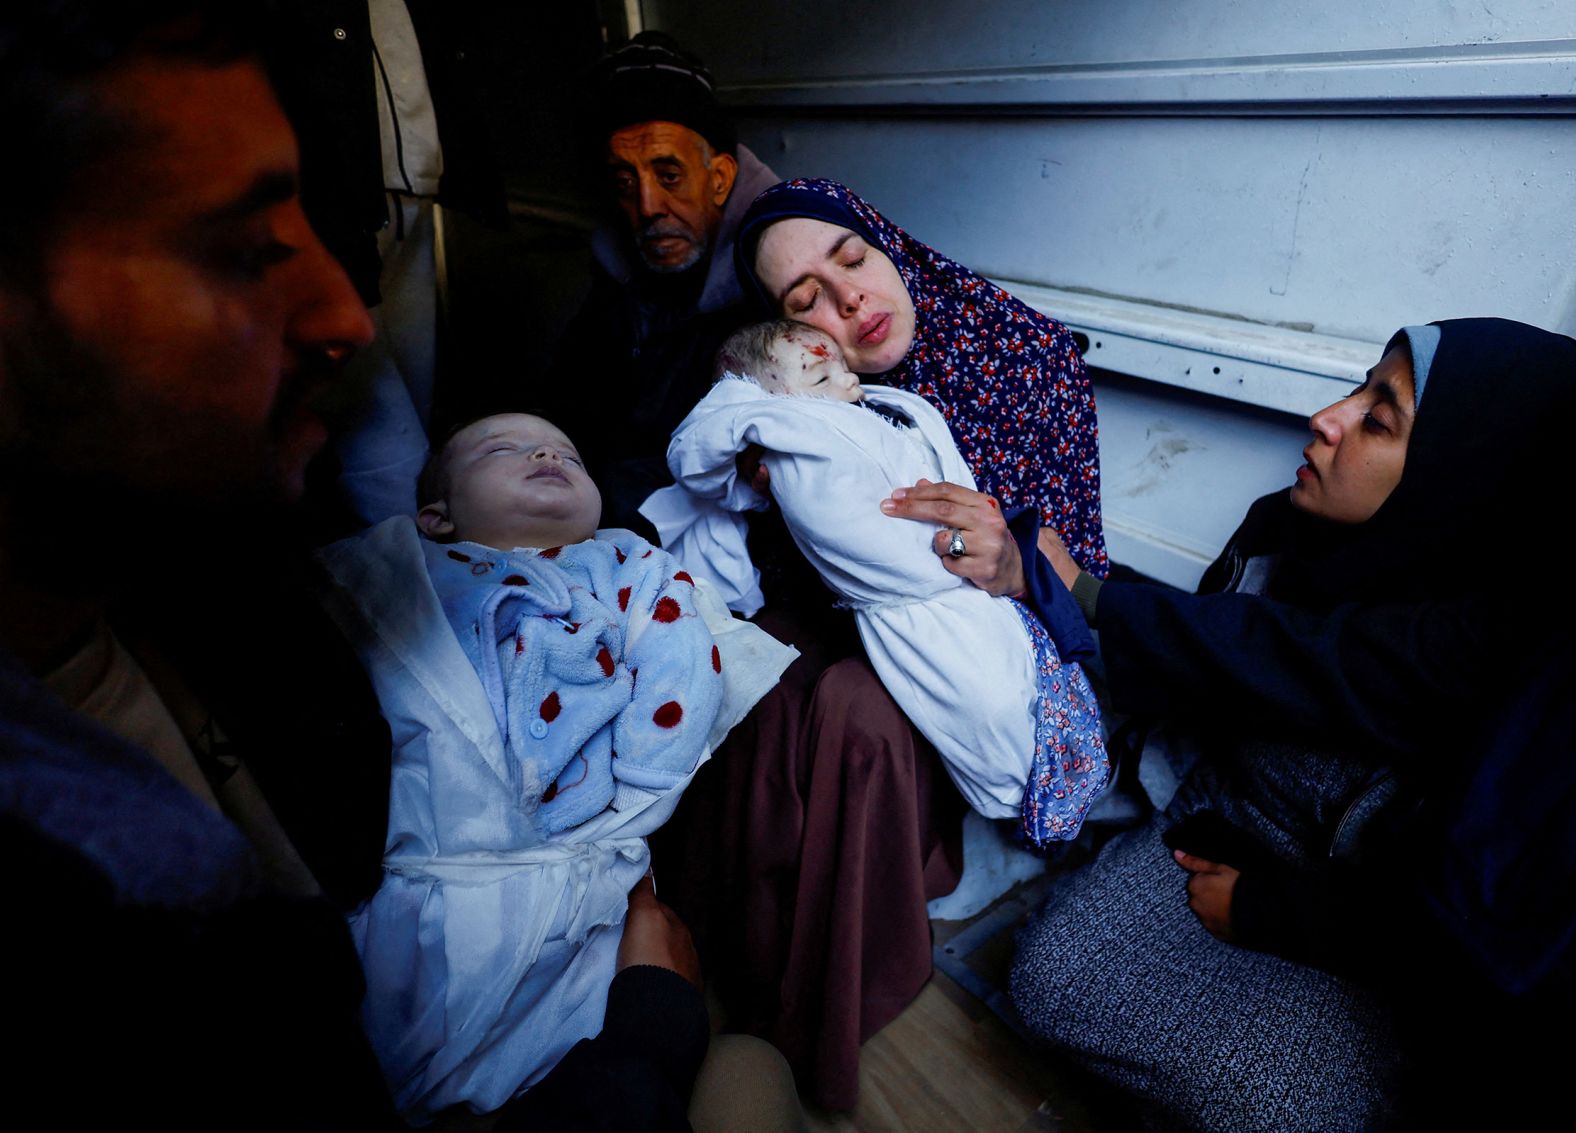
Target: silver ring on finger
(955,546)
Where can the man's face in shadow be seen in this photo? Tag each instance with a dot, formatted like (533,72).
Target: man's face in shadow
(186,315)
(672,189)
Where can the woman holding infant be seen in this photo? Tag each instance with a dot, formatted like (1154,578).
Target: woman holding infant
(1008,380)
(830,820)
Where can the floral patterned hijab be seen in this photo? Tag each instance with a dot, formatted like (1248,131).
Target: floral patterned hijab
(1009,381)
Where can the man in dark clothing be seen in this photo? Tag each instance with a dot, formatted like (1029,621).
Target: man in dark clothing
(639,355)
(175,938)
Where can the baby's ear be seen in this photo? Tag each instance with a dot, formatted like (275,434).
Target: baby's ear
(433,521)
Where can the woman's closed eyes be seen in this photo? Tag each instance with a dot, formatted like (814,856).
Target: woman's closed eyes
(800,303)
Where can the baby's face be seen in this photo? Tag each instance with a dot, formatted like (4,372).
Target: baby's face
(807,362)
(514,481)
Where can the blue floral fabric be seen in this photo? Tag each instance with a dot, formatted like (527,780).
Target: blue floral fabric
(1009,381)
(1070,766)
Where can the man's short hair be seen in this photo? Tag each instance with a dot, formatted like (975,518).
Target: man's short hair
(51,51)
(748,350)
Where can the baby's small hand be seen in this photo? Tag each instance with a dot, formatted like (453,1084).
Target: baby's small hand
(752,470)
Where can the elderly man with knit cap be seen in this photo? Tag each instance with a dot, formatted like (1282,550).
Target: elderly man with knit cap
(639,354)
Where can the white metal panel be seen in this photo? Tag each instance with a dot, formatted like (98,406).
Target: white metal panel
(1177,475)
(749,41)
(1348,227)
(1290,370)
(1513,78)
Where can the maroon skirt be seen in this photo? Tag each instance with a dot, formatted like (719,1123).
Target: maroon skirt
(803,854)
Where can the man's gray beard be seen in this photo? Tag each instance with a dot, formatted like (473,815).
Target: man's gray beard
(700,250)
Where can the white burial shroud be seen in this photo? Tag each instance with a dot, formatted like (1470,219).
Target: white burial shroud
(957,661)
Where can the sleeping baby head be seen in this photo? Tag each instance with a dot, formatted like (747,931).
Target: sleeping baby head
(507,481)
(785,357)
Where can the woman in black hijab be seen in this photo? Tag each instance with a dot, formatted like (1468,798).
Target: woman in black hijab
(1360,632)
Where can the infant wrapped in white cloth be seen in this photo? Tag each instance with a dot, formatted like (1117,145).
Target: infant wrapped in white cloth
(976,674)
(529,761)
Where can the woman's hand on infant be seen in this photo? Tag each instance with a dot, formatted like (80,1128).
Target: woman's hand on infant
(1209,888)
(990,557)
(654,934)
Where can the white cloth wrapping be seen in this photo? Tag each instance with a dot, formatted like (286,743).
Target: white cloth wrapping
(489,948)
(957,661)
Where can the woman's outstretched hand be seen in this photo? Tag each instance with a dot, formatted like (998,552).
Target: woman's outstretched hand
(1055,552)
(1209,889)
(990,559)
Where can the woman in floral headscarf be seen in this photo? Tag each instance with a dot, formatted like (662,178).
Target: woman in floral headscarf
(810,849)
(1009,381)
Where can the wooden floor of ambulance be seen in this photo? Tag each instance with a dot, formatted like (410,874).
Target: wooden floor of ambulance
(949,1065)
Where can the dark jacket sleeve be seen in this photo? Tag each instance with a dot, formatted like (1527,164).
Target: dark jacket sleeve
(1385,674)
(1045,594)
(636,1076)
(1365,925)
(240,1017)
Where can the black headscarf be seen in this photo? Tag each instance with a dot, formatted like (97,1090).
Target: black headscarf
(1481,466)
